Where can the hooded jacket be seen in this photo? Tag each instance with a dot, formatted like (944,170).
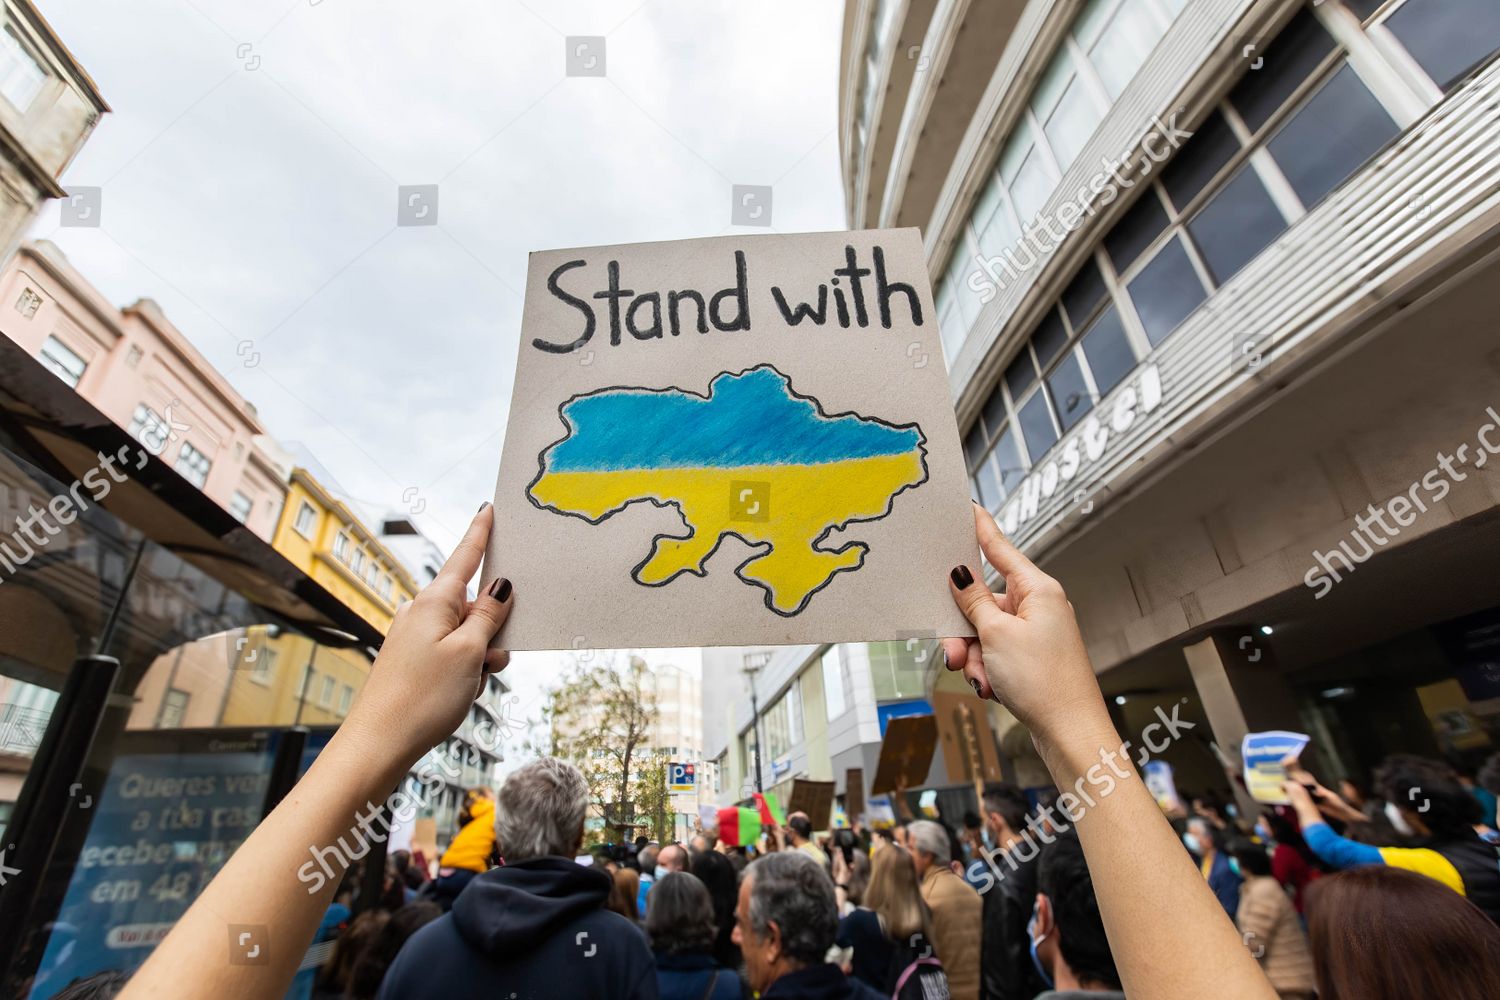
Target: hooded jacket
(534,928)
(471,847)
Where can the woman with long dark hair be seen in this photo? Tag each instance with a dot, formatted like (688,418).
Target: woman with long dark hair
(680,923)
(719,876)
(1382,933)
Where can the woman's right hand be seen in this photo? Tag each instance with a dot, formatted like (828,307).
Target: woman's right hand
(1029,654)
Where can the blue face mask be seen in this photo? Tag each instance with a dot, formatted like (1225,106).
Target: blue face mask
(659,873)
(1036,960)
(1234,866)
(1190,841)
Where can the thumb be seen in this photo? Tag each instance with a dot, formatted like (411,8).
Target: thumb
(488,612)
(975,600)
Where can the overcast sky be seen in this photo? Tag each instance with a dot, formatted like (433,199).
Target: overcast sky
(250,170)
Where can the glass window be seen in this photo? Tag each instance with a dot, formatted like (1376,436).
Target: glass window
(341,546)
(987,481)
(1070,125)
(1125,44)
(1092,19)
(1020,374)
(1007,459)
(386,586)
(147,427)
(1069,391)
(1166,291)
(325,696)
(1108,351)
(21,76)
(61,360)
(193,465)
(346,698)
(951,326)
(1448,38)
(1035,418)
(357,562)
(240,506)
(1144,222)
(1364,8)
(173,709)
(1049,338)
(1032,187)
(1083,294)
(994,412)
(1236,224)
(1055,80)
(992,222)
(975,445)
(1212,146)
(28,302)
(833,682)
(1331,136)
(1289,59)
(307,519)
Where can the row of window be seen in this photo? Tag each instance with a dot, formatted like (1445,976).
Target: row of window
(323,688)
(366,568)
(146,425)
(21,74)
(1287,134)
(1100,54)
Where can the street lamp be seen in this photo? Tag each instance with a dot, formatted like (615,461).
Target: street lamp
(750,670)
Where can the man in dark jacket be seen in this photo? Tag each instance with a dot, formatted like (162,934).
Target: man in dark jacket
(1009,890)
(785,923)
(536,927)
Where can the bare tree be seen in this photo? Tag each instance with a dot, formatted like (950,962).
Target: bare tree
(602,719)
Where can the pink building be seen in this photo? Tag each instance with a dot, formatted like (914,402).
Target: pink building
(139,369)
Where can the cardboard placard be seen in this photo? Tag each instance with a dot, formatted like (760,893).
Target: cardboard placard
(1263,754)
(854,794)
(761,425)
(814,798)
(906,754)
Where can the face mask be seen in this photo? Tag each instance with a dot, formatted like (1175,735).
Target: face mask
(660,872)
(1263,832)
(1393,814)
(1232,810)
(1190,841)
(1036,961)
(1234,866)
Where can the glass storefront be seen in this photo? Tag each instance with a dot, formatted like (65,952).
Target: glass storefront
(163,681)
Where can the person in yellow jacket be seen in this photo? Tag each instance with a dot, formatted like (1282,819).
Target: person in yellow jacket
(471,850)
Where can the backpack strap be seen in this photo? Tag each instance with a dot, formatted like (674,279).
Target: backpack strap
(912,969)
(712,982)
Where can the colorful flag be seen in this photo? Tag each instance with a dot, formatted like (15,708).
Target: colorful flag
(738,827)
(770,809)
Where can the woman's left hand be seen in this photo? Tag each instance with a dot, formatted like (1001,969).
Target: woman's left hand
(436,656)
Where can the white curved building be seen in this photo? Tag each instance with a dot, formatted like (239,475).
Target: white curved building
(1217,284)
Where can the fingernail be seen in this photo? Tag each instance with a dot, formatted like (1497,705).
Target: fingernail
(500,590)
(961,576)
(483,506)
(974,683)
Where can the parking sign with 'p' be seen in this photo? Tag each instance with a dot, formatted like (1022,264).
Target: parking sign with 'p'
(682,778)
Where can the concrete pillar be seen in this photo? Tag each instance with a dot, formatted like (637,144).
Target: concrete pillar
(1242,691)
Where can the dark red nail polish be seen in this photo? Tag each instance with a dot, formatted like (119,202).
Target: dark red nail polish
(974,683)
(962,578)
(482,507)
(500,590)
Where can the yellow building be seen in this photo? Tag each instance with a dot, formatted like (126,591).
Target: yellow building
(320,536)
(285,679)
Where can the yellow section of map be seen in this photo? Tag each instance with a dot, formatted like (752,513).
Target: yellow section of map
(787,506)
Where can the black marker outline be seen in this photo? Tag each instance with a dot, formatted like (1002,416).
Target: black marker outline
(758,549)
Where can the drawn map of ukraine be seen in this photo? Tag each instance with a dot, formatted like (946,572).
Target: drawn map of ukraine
(752,459)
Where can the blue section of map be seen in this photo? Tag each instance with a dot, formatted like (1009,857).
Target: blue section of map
(752,418)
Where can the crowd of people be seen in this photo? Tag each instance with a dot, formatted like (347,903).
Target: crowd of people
(1394,894)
